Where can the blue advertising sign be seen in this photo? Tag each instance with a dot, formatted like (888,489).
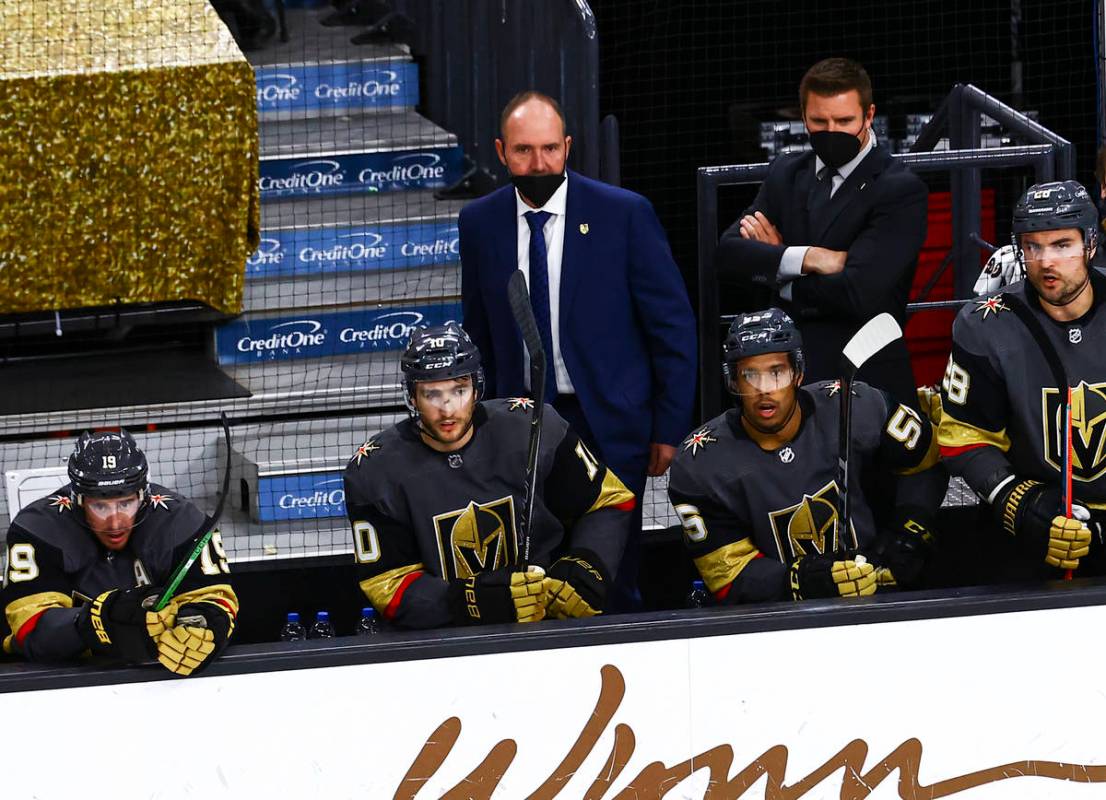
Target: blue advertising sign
(246,341)
(312,495)
(296,90)
(315,251)
(394,170)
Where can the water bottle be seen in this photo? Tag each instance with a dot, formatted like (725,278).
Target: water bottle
(369,624)
(293,630)
(698,597)
(322,629)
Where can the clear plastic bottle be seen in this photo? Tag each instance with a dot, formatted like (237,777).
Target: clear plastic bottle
(698,597)
(322,628)
(369,624)
(293,630)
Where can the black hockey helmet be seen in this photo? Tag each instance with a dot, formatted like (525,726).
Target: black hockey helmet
(1055,206)
(759,332)
(439,353)
(107,464)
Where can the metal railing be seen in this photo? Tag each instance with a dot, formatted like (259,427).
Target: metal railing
(477,54)
(1041,158)
(961,114)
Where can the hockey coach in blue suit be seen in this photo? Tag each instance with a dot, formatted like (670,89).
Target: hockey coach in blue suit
(609,300)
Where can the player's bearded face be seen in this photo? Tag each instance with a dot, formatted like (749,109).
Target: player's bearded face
(111,519)
(766,385)
(445,411)
(1056,264)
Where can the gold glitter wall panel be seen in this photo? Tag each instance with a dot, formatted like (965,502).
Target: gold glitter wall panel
(128,155)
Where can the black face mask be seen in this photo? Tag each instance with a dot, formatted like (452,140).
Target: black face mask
(537,188)
(835,148)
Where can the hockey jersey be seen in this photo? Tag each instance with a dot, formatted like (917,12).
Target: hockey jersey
(422,518)
(1002,413)
(54,563)
(748,513)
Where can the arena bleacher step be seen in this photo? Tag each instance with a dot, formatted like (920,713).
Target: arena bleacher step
(354,249)
(374,152)
(289,481)
(306,334)
(338,77)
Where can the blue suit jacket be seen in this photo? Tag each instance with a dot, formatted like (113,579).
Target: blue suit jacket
(627,333)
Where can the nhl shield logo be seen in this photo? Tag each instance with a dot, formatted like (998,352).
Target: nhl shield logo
(787,455)
(476,538)
(1075,335)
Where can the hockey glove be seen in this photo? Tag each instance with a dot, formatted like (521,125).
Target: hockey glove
(576,586)
(900,551)
(499,596)
(816,575)
(114,624)
(1030,513)
(197,634)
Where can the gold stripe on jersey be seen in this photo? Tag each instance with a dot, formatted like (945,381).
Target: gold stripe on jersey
(612,493)
(21,609)
(380,588)
(721,567)
(954,433)
(932,456)
(221,594)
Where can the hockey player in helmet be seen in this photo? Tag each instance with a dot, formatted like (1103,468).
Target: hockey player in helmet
(756,488)
(86,564)
(1002,412)
(434,502)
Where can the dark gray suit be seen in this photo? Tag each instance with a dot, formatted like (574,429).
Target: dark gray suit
(878,215)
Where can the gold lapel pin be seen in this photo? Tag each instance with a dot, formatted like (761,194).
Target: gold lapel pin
(584,228)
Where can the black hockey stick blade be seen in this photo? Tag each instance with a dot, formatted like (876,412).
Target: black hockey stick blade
(844,435)
(204,533)
(518,296)
(877,333)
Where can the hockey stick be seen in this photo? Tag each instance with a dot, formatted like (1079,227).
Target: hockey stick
(876,334)
(519,298)
(1060,375)
(204,532)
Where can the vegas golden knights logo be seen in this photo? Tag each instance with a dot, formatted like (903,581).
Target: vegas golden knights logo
(809,526)
(1088,429)
(477,538)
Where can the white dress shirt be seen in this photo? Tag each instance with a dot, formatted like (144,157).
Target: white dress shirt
(554,231)
(791,262)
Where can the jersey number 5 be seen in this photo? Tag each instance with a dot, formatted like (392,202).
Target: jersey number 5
(694,528)
(905,426)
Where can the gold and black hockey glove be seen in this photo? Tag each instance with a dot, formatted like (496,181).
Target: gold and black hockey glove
(114,624)
(499,596)
(189,642)
(900,550)
(1030,512)
(815,575)
(576,586)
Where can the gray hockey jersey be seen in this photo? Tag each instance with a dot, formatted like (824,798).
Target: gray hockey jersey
(422,518)
(748,513)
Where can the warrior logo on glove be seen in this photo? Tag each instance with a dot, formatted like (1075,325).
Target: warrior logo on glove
(477,538)
(1088,429)
(809,526)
